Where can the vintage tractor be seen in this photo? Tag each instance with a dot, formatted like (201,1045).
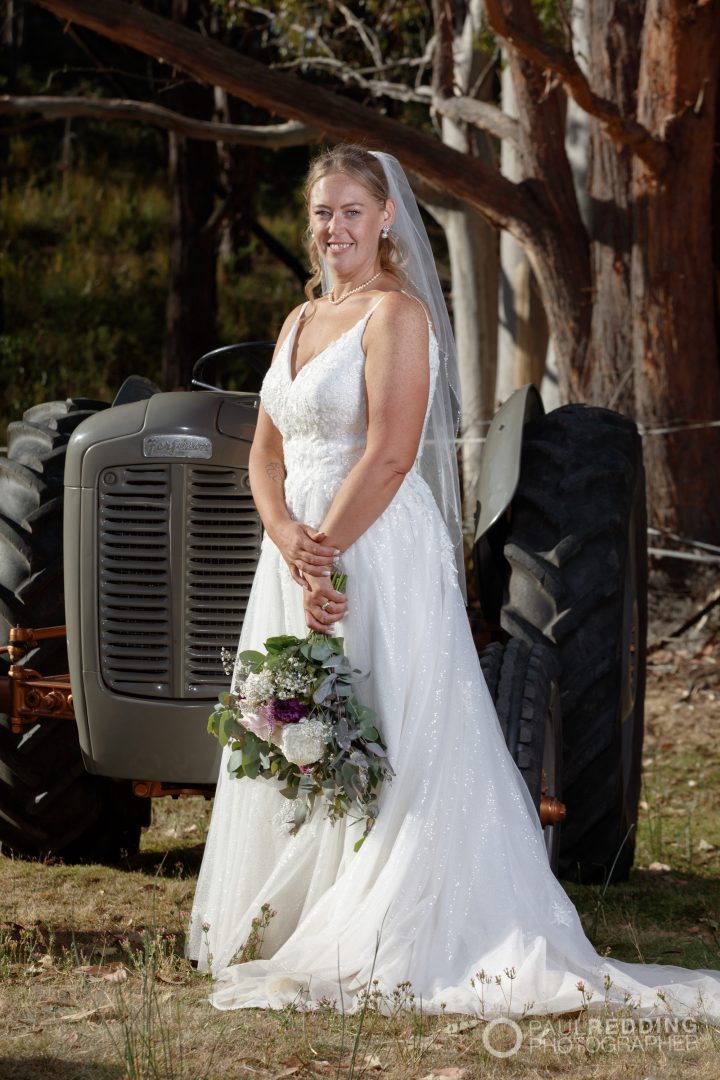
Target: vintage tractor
(128,544)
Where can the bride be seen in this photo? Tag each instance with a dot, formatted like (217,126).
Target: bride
(353,462)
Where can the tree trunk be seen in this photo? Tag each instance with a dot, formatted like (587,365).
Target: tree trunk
(613,40)
(674,319)
(472,247)
(191,307)
(473,250)
(523,332)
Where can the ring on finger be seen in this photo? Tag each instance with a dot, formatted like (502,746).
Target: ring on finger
(324,604)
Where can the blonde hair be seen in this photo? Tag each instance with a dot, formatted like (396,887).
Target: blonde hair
(359,164)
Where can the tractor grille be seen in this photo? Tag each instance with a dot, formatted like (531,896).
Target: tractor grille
(134,573)
(221,552)
(177,550)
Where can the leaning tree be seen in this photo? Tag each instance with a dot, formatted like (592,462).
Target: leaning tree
(630,291)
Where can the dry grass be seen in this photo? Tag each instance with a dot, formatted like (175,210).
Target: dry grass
(93,984)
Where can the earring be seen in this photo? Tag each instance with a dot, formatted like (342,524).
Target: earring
(385,232)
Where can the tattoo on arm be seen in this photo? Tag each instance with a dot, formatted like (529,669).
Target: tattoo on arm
(275,471)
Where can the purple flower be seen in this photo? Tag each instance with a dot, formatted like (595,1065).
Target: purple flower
(289,711)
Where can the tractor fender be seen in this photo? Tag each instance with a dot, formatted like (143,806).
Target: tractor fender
(500,464)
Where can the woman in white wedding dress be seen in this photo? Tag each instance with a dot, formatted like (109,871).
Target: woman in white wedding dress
(353,455)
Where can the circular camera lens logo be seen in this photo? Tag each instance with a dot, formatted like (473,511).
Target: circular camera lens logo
(502,1022)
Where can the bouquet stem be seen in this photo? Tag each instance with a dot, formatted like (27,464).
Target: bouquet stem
(338,580)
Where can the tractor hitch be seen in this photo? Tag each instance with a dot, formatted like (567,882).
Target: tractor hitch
(26,696)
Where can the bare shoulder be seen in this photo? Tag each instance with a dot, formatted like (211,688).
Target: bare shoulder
(399,316)
(287,326)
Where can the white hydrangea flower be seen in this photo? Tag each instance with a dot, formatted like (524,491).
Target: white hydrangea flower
(304,743)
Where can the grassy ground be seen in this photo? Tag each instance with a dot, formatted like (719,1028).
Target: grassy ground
(93,984)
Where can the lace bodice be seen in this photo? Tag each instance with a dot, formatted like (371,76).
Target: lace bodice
(322,412)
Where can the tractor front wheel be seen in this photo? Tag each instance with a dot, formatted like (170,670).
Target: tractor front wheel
(49,804)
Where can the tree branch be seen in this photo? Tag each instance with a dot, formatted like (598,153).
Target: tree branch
(503,203)
(269,136)
(622,129)
(481,114)
(432,196)
(351,76)
(368,38)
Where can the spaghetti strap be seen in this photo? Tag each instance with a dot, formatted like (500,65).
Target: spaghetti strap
(419,301)
(375,305)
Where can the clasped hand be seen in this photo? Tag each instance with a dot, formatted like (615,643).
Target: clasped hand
(323,605)
(310,563)
(304,552)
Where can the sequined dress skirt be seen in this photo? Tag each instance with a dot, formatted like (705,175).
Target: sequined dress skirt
(454,878)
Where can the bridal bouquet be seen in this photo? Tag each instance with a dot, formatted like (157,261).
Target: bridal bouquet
(292,716)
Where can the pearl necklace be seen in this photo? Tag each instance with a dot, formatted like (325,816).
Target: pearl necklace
(356,289)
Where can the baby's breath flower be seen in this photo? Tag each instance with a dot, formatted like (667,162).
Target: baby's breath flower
(257,689)
(292,679)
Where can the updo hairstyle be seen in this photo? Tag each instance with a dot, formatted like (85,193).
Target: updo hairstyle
(357,163)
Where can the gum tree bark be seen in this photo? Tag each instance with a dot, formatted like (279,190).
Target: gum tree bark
(674,288)
(650,345)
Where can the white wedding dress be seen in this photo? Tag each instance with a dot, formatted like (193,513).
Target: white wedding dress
(454,877)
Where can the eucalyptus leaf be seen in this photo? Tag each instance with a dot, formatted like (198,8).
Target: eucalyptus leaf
(342,734)
(281,643)
(321,692)
(252,769)
(235,761)
(226,726)
(251,656)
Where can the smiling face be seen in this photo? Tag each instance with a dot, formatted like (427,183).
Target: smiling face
(346,222)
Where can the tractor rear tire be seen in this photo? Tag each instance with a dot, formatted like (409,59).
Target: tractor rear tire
(522,680)
(576,581)
(49,804)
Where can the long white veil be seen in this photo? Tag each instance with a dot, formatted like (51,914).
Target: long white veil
(438,459)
